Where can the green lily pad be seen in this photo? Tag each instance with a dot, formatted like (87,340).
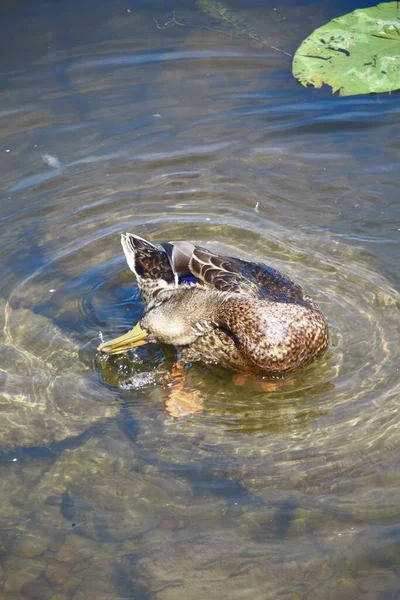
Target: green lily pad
(358,53)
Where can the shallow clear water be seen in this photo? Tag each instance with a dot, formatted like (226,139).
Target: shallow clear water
(114,118)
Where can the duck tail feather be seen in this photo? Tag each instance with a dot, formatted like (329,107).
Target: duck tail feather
(146,260)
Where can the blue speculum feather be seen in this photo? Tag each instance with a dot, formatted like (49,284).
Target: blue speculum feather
(188,279)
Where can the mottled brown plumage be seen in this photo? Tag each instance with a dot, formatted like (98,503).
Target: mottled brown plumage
(219,309)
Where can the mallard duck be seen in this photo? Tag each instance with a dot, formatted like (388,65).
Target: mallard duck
(239,314)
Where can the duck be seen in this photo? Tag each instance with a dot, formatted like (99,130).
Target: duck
(242,315)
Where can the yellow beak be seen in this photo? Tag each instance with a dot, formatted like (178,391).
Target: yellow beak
(131,339)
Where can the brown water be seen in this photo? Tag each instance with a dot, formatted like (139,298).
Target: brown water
(109,124)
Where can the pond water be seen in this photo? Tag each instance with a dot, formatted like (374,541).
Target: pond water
(158,119)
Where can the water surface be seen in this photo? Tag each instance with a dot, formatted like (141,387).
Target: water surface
(130,116)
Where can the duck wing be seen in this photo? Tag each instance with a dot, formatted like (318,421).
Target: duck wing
(183,262)
(179,255)
(194,264)
(223,273)
(275,286)
(239,276)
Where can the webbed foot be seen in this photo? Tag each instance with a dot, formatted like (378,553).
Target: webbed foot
(259,385)
(181,402)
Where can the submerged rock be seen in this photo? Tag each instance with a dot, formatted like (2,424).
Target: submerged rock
(46,393)
(102,491)
(21,571)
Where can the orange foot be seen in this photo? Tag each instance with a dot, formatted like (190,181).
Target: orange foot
(181,403)
(259,385)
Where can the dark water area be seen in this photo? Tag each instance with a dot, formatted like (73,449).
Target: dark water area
(156,118)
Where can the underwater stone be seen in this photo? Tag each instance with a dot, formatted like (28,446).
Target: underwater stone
(47,393)
(21,571)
